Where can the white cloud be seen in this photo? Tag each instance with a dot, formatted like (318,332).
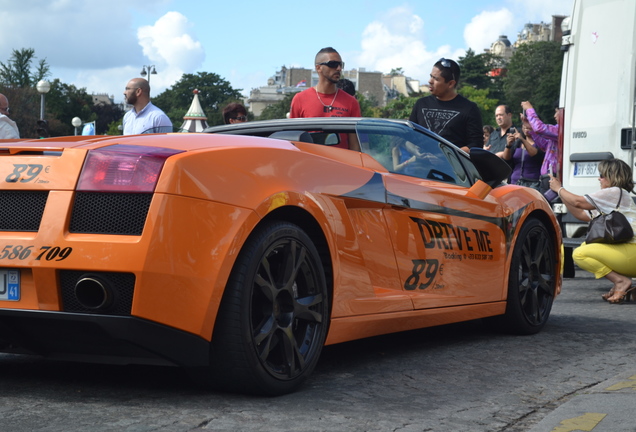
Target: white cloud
(71,33)
(397,40)
(485,28)
(95,44)
(169,41)
(170,45)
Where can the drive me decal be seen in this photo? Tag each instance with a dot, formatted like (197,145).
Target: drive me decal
(458,243)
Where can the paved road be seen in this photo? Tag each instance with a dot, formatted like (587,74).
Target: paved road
(578,373)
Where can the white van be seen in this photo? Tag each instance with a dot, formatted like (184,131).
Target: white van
(597,96)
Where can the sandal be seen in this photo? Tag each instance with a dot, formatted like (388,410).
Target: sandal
(608,294)
(623,296)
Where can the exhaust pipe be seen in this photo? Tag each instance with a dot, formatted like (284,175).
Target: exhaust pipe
(93,294)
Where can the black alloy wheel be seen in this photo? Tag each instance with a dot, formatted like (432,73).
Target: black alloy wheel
(532,281)
(274,314)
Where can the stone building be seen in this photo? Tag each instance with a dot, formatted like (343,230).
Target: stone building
(103,98)
(502,48)
(399,84)
(541,32)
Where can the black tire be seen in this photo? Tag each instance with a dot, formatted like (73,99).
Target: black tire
(274,315)
(532,282)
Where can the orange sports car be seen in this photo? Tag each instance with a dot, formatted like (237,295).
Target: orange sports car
(238,254)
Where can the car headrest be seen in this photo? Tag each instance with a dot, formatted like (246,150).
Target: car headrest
(293,135)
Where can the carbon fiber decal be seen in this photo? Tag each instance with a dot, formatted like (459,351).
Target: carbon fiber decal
(375,191)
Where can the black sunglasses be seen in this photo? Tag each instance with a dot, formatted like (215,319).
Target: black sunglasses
(240,118)
(447,64)
(333,64)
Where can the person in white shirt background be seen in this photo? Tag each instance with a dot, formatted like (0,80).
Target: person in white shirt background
(8,128)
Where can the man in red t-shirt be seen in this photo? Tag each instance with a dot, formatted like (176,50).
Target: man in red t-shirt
(326,99)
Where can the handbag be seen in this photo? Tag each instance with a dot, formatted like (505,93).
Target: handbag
(534,184)
(611,228)
(544,181)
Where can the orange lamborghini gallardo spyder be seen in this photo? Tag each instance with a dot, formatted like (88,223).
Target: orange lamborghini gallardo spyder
(240,252)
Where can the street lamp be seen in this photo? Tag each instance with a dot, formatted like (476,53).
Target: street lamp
(76,122)
(149,72)
(43,87)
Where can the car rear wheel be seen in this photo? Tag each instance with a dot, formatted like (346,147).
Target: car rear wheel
(274,314)
(532,281)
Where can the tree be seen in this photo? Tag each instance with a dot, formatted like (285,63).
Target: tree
(534,74)
(17,82)
(368,106)
(18,71)
(65,101)
(105,115)
(214,94)
(400,108)
(115,128)
(485,103)
(476,70)
(25,108)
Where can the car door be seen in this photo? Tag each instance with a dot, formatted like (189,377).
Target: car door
(448,244)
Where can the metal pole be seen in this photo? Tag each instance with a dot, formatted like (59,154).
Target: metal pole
(41,106)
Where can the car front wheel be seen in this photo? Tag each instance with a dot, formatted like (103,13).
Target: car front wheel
(532,281)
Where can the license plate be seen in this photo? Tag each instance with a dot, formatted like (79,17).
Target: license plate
(585,169)
(9,284)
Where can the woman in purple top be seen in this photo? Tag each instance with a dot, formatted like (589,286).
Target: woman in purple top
(525,159)
(545,137)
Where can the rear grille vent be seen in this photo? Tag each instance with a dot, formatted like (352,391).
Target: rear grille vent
(110,213)
(22,210)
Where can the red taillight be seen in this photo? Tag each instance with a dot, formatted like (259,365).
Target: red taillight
(123,168)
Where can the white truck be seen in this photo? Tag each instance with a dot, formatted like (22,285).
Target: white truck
(598,97)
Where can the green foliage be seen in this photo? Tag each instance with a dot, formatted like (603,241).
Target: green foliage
(534,74)
(475,73)
(214,94)
(65,101)
(368,106)
(278,110)
(115,128)
(25,108)
(17,82)
(399,108)
(17,72)
(486,104)
(106,115)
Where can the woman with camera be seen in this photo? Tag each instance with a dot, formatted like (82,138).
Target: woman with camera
(615,262)
(524,158)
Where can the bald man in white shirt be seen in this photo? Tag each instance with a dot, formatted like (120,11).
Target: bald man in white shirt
(8,128)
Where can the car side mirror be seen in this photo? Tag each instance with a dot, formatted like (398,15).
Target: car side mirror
(492,168)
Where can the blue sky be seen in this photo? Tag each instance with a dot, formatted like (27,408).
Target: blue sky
(100,45)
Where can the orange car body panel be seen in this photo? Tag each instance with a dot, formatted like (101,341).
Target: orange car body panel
(209,199)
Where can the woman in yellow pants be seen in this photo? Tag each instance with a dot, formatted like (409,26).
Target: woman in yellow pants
(615,262)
